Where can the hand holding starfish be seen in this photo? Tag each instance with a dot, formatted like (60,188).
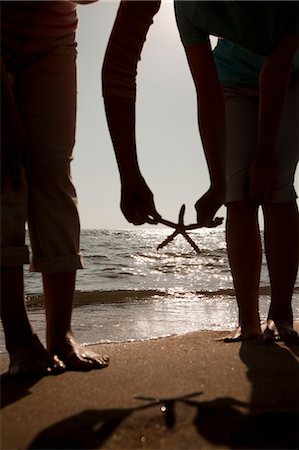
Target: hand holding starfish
(180,228)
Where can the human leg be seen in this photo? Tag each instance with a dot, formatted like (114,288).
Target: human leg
(52,212)
(28,357)
(282,220)
(59,291)
(245,256)
(282,252)
(242,228)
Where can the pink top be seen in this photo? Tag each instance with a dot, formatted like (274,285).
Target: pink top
(40,18)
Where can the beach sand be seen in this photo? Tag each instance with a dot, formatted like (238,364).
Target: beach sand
(197,393)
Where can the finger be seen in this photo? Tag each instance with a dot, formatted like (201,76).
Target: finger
(139,218)
(215,223)
(153,219)
(205,222)
(138,221)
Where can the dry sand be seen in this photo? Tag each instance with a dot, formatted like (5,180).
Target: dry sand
(197,393)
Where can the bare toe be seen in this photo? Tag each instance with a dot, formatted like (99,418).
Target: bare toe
(57,366)
(239,335)
(79,358)
(234,336)
(82,360)
(268,336)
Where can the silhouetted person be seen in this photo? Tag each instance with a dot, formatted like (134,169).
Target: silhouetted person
(247,92)
(38,112)
(248,117)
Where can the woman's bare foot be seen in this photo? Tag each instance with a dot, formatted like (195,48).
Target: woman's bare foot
(269,332)
(239,335)
(32,361)
(77,357)
(280,330)
(286,332)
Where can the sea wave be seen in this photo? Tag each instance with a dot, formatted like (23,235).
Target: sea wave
(133,295)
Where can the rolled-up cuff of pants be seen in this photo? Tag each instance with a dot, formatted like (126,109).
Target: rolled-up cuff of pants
(14,256)
(60,264)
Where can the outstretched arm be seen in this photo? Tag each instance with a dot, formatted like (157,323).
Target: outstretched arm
(211,120)
(273,85)
(119,90)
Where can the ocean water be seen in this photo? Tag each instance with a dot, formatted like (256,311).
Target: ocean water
(129,290)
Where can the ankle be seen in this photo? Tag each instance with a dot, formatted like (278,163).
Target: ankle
(250,328)
(22,343)
(57,342)
(283,318)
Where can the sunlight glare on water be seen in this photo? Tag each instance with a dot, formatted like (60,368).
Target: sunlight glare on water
(149,318)
(130,290)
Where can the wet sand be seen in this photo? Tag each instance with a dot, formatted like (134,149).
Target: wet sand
(183,392)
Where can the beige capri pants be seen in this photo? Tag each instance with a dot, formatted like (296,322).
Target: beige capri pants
(38,122)
(241,108)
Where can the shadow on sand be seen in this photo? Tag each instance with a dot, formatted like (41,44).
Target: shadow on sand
(13,390)
(267,422)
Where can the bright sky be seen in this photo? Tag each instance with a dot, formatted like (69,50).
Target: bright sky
(169,148)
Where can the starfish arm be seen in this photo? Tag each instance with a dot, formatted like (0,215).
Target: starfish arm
(181,215)
(167,240)
(191,242)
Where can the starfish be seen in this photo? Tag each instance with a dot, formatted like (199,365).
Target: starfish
(180,228)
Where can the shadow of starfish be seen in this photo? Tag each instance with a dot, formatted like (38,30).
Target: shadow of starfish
(180,228)
(167,405)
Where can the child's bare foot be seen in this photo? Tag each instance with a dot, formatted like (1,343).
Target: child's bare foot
(32,361)
(239,335)
(77,357)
